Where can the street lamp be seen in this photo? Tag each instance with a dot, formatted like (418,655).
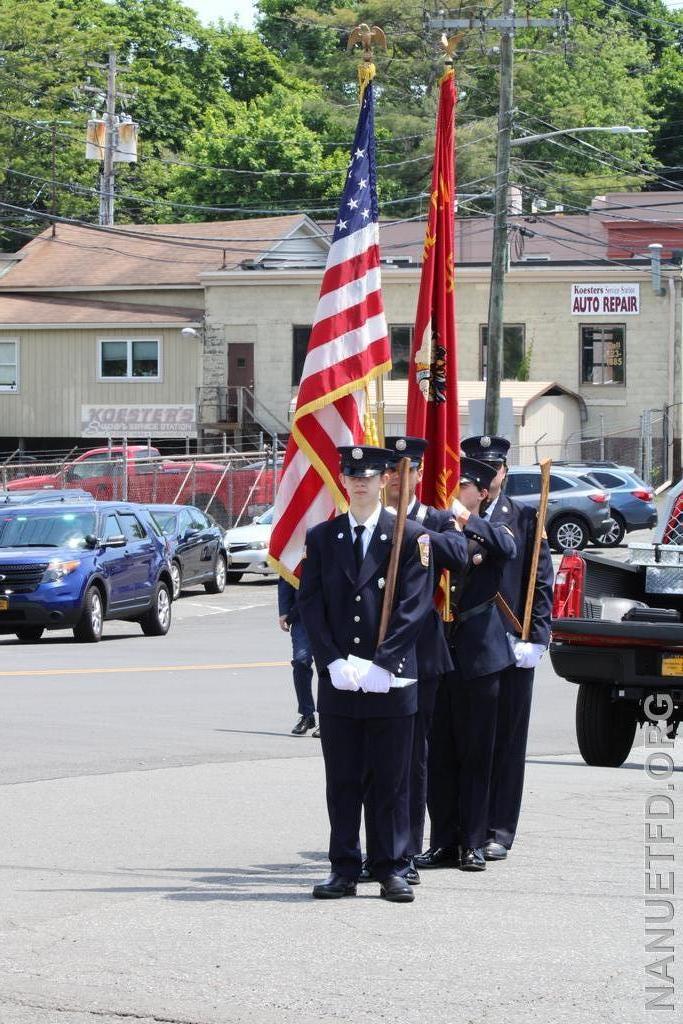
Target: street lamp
(494,354)
(615,129)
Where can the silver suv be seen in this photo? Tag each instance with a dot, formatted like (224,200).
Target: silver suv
(578,507)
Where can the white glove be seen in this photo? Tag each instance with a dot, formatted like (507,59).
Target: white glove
(528,655)
(344,676)
(376,680)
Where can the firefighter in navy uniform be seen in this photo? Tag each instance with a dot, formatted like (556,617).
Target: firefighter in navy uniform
(366,710)
(516,683)
(464,725)
(449,549)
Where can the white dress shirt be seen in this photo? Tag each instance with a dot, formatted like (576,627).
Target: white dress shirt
(411,505)
(489,511)
(369,524)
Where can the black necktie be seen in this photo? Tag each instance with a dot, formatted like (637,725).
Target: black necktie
(358,545)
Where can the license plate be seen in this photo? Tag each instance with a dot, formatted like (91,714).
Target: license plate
(672,665)
(4,604)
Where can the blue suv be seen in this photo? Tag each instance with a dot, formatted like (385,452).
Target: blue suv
(74,566)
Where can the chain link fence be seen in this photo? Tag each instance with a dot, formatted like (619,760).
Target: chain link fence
(645,446)
(232,488)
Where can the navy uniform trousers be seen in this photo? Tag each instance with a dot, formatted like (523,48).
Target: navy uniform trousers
(463,733)
(449,548)
(341,607)
(516,684)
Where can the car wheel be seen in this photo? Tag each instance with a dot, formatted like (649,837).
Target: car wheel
(605,728)
(88,629)
(157,621)
(614,536)
(233,577)
(220,572)
(568,533)
(29,634)
(176,580)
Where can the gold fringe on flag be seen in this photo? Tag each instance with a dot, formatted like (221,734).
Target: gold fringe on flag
(369,424)
(366,73)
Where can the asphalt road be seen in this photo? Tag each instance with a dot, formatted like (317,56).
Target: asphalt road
(161,831)
(216,688)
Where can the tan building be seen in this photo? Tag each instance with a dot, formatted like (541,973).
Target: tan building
(94,319)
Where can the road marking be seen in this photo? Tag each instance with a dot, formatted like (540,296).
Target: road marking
(144,668)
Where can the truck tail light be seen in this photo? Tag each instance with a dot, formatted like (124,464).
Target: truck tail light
(599,497)
(568,590)
(673,531)
(644,495)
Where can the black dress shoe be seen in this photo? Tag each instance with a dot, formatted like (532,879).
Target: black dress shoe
(438,857)
(472,859)
(494,851)
(411,876)
(365,873)
(305,723)
(334,888)
(396,889)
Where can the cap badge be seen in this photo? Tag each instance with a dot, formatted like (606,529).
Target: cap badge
(485,441)
(357,453)
(401,444)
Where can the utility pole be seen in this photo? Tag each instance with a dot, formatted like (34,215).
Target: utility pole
(499,250)
(108,150)
(506,25)
(107,176)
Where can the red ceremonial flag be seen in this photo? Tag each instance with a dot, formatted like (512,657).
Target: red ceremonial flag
(433,374)
(348,347)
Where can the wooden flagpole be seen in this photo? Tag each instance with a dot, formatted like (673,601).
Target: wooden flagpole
(538,540)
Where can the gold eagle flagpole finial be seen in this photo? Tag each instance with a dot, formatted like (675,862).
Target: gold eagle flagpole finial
(368,38)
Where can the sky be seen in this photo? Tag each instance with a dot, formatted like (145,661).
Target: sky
(212,10)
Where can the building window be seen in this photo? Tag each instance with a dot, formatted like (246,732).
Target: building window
(300,336)
(9,365)
(129,360)
(603,354)
(401,336)
(513,352)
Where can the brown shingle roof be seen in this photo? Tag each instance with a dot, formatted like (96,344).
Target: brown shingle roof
(53,309)
(146,254)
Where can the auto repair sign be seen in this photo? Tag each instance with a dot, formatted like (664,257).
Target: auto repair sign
(138,420)
(605,299)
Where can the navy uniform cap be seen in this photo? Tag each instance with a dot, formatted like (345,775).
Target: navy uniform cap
(402,446)
(478,473)
(485,448)
(363,460)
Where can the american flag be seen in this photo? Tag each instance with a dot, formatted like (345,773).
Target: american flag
(348,347)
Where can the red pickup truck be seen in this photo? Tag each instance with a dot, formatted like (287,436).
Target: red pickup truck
(153,479)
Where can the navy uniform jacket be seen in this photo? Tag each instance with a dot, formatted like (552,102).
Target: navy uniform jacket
(522,521)
(449,548)
(341,609)
(287,603)
(479,644)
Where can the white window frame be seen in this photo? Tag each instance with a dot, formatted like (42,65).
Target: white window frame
(7,389)
(129,379)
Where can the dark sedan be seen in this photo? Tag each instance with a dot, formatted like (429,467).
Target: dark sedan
(196,548)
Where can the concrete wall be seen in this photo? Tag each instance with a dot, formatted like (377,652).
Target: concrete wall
(240,307)
(58,374)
